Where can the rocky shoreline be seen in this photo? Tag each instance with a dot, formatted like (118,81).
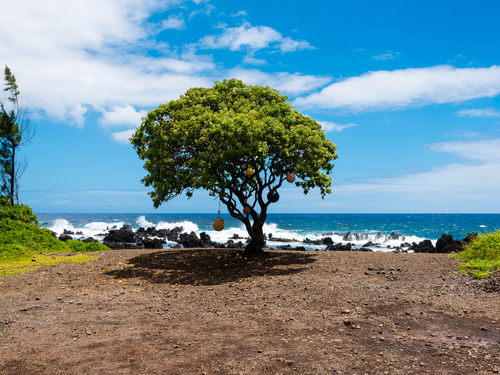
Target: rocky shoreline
(152,238)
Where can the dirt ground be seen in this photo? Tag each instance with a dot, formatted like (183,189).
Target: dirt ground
(214,312)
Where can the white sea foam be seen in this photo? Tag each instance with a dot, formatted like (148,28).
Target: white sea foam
(60,224)
(89,230)
(187,226)
(296,238)
(95,228)
(142,222)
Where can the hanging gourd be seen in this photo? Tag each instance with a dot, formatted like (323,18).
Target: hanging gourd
(249,171)
(273,196)
(290,178)
(218,224)
(246,210)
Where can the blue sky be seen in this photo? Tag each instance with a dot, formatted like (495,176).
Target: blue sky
(409,91)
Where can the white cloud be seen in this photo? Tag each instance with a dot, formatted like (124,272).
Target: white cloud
(122,116)
(220,25)
(290,45)
(485,150)
(451,187)
(385,56)
(76,114)
(484,112)
(240,13)
(173,22)
(331,126)
(285,82)
(205,10)
(123,137)
(253,38)
(398,89)
(68,57)
(250,60)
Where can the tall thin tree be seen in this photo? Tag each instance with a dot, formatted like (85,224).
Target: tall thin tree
(16,131)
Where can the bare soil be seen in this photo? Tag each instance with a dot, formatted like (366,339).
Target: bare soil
(216,312)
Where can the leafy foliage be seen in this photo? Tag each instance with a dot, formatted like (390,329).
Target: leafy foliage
(15,132)
(21,236)
(209,137)
(19,212)
(482,255)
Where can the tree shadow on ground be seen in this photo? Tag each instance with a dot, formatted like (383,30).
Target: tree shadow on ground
(210,266)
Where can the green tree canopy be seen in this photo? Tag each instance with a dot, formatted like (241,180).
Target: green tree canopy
(209,137)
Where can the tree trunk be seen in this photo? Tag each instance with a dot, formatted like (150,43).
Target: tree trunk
(257,241)
(12,175)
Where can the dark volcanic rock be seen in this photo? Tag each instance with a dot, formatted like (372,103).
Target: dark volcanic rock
(89,239)
(327,241)
(65,237)
(396,236)
(425,246)
(65,231)
(446,244)
(315,242)
(120,245)
(288,247)
(339,247)
(124,234)
(469,238)
(190,240)
(149,243)
(232,245)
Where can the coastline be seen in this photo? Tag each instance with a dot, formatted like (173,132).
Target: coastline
(386,231)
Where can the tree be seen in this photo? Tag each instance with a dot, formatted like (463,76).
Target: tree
(15,131)
(209,137)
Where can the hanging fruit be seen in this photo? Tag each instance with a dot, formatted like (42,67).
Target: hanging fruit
(218,224)
(273,196)
(290,178)
(249,171)
(246,210)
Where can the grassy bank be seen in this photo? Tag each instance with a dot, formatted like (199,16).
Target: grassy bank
(482,255)
(23,242)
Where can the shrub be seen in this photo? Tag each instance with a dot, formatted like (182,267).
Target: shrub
(18,212)
(482,255)
(21,236)
(75,245)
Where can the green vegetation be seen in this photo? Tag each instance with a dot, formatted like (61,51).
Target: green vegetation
(16,131)
(239,142)
(482,255)
(21,237)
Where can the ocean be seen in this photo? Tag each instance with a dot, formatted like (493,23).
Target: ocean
(293,228)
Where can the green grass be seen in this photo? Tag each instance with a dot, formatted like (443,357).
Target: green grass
(21,238)
(29,264)
(482,255)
